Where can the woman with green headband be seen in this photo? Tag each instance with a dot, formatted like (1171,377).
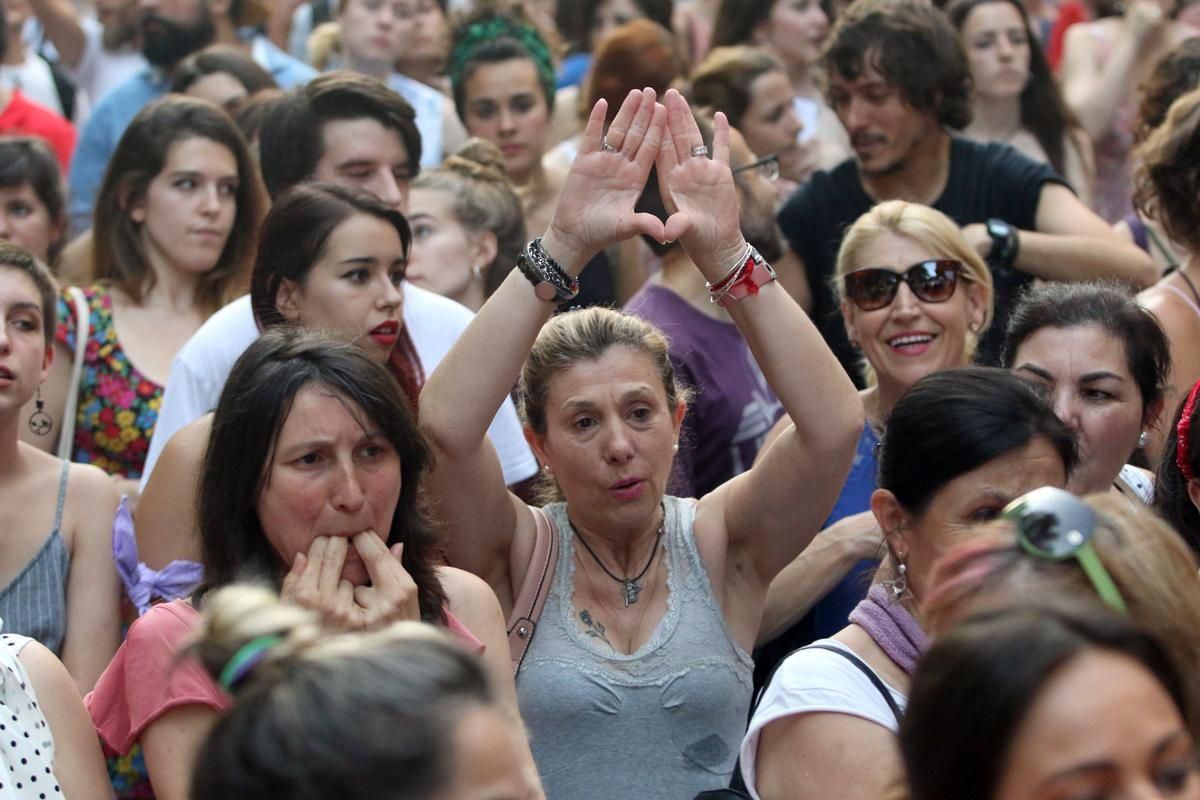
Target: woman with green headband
(502,73)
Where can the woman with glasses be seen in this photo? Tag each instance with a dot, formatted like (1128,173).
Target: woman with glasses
(915,298)
(1101,549)
(751,86)
(959,446)
(1104,363)
(1093,707)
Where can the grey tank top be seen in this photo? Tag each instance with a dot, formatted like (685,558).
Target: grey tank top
(34,604)
(664,722)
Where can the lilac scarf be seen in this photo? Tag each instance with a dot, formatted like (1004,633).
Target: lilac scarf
(891,626)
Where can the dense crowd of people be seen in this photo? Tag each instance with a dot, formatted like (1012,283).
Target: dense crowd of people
(465,399)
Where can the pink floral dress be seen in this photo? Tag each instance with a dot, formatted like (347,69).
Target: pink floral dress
(118,406)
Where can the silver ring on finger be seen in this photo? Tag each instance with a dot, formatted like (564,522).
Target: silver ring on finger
(700,151)
(605,146)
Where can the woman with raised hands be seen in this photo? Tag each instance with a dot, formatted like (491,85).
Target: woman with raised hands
(655,601)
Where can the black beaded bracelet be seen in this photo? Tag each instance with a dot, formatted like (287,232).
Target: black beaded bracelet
(550,281)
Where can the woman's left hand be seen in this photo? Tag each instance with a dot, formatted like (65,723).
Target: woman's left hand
(595,208)
(699,191)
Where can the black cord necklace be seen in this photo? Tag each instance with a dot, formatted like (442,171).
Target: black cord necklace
(630,586)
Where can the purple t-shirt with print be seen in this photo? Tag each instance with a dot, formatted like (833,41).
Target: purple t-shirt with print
(732,408)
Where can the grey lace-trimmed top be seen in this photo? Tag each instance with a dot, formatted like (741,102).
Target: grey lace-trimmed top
(34,603)
(664,722)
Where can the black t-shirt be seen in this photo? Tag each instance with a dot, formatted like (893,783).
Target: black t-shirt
(985,181)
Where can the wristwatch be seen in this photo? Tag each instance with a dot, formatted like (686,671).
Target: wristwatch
(1005,244)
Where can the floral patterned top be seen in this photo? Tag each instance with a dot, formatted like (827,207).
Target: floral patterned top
(118,406)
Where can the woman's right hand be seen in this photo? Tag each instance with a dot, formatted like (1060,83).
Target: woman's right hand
(595,208)
(315,582)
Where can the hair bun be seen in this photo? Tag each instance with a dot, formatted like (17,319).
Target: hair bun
(479,159)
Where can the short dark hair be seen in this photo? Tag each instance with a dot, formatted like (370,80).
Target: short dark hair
(19,259)
(221,58)
(724,80)
(658,11)
(1110,307)
(996,664)
(884,34)
(254,405)
(955,421)
(140,155)
(291,136)
(29,160)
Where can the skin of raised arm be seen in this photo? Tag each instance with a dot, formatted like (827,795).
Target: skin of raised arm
(1071,243)
(818,756)
(61,21)
(812,574)
(166,532)
(78,762)
(93,588)
(170,745)
(492,531)
(1094,92)
(1080,164)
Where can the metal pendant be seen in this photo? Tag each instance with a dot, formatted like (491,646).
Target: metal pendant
(632,590)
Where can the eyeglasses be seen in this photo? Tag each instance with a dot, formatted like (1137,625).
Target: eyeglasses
(768,166)
(1055,525)
(932,281)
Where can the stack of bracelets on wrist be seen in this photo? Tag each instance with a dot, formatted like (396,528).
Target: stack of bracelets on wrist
(744,278)
(550,281)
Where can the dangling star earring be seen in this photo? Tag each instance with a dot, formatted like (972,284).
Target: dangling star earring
(40,422)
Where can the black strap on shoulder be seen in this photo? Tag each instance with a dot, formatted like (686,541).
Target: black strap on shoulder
(865,670)
(736,784)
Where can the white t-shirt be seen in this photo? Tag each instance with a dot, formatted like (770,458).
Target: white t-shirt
(33,78)
(814,680)
(202,365)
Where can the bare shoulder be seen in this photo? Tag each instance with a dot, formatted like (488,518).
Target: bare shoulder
(466,592)
(50,678)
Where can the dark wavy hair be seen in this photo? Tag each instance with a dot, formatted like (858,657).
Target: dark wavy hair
(221,58)
(1174,76)
(1167,178)
(293,239)
(1043,111)
(996,665)
(29,160)
(1112,308)
(254,405)
(1171,498)
(956,420)
(291,134)
(737,19)
(884,35)
(118,256)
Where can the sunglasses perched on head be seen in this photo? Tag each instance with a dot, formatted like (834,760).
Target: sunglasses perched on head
(932,281)
(1055,525)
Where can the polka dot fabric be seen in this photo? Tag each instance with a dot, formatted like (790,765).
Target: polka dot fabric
(26,747)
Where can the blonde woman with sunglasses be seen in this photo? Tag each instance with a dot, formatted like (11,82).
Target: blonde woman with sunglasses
(915,298)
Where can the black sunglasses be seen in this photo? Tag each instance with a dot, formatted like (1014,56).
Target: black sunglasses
(875,287)
(768,166)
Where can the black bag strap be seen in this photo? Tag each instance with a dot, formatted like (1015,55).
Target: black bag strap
(737,787)
(865,670)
